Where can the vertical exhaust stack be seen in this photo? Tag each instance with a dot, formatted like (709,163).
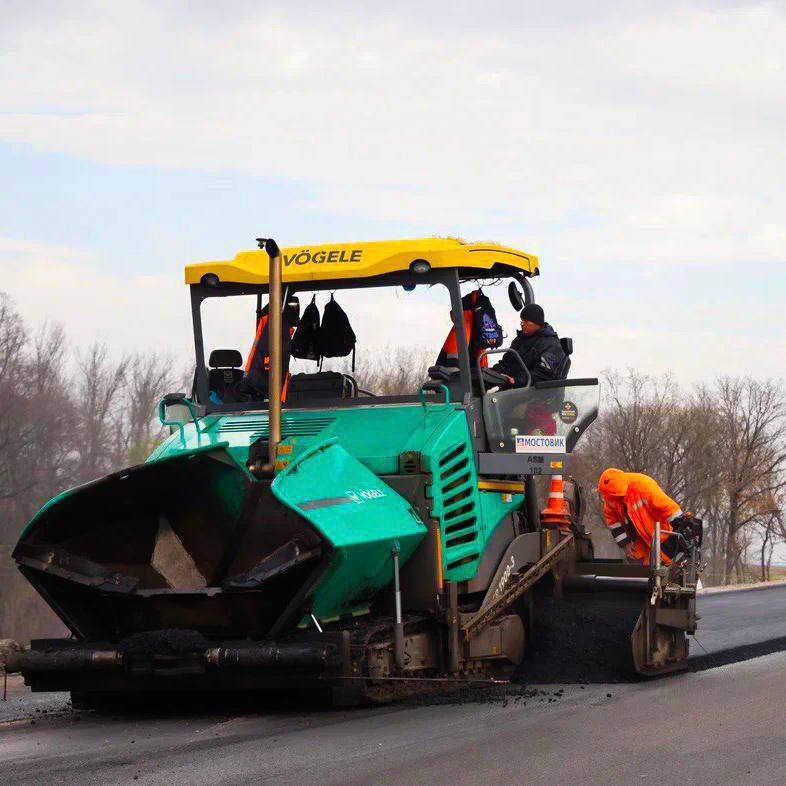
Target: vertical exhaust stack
(274,376)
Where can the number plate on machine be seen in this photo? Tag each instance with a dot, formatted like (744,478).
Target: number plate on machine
(521,463)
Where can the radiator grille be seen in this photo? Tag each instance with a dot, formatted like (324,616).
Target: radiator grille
(290,427)
(455,505)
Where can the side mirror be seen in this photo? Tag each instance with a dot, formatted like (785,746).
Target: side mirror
(515,296)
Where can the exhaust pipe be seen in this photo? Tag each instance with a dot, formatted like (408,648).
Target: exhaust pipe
(274,375)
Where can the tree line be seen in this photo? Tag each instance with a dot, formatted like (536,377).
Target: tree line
(719,449)
(69,415)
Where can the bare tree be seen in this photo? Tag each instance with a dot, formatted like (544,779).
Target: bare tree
(100,409)
(13,338)
(637,408)
(62,423)
(149,377)
(393,371)
(751,445)
(54,413)
(36,434)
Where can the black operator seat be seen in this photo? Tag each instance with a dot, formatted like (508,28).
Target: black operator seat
(567,347)
(224,372)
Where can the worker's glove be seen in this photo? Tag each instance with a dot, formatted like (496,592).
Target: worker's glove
(672,544)
(690,527)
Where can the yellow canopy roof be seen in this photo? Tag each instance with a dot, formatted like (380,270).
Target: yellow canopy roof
(362,260)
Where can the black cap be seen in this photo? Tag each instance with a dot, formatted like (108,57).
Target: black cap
(532,312)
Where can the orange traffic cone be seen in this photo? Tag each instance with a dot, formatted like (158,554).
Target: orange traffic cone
(557,512)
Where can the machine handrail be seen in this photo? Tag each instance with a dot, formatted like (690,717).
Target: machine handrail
(546,384)
(435,386)
(182,399)
(499,350)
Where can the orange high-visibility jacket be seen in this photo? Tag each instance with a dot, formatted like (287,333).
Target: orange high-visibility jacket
(450,347)
(632,504)
(449,354)
(259,356)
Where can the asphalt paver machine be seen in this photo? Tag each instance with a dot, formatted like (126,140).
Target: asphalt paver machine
(370,545)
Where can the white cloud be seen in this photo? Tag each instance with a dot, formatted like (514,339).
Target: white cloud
(61,284)
(15,249)
(650,134)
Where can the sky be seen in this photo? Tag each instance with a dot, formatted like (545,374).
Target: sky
(635,147)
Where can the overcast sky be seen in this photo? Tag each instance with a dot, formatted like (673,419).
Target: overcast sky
(637,148)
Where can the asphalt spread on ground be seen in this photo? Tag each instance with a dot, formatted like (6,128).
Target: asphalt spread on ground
(597,729)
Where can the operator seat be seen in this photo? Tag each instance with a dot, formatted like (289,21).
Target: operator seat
(224,372)
(567,347)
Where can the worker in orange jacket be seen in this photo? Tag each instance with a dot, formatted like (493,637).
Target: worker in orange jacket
(632,504)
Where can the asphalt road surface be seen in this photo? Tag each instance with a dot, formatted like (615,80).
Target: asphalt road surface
(721,725)
(731,620)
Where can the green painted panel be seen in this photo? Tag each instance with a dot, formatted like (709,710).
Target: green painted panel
(467,518)
(358,514)
(375,434)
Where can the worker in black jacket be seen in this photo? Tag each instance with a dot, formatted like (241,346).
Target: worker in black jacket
(538,346)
